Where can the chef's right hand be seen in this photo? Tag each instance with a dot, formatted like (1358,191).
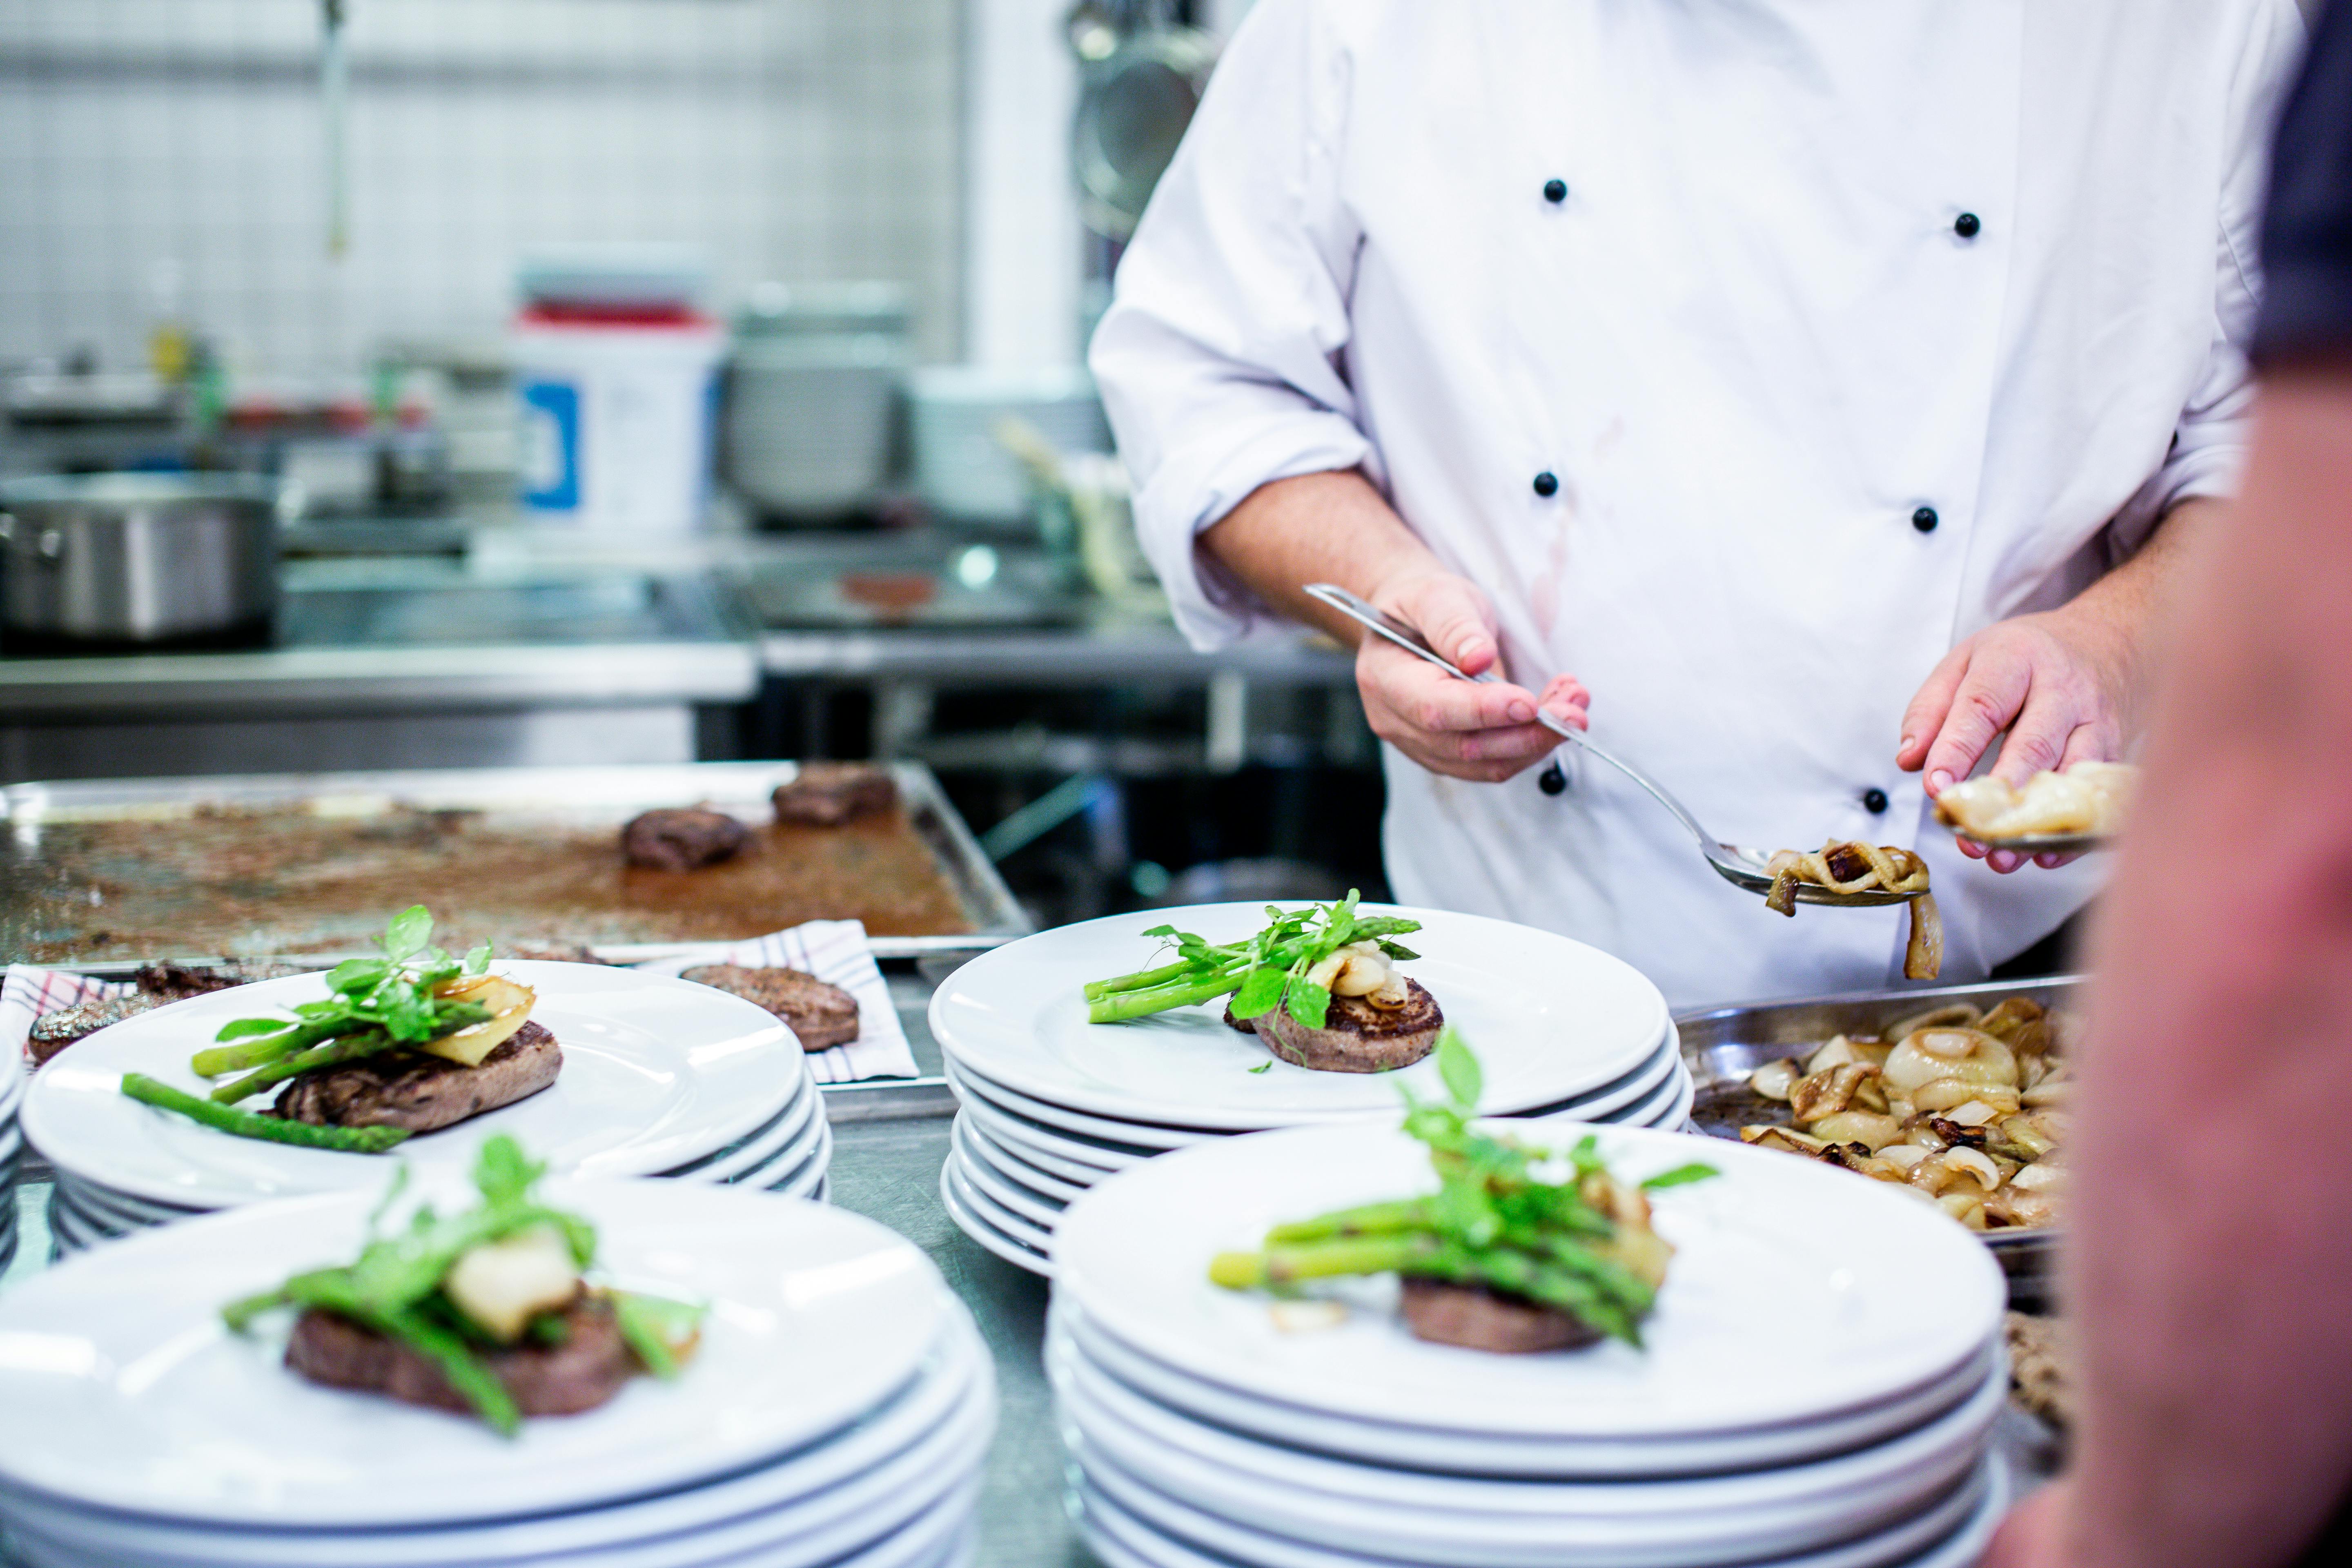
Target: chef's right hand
(1483,732)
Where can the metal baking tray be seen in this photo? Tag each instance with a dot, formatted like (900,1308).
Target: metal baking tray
(67,897)
(1723,1045)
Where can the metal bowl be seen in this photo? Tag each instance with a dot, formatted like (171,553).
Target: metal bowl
(1723,1045)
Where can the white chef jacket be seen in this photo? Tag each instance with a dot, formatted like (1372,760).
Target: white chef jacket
(1753,350)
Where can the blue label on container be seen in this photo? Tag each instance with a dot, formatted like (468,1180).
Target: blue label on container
(551,446)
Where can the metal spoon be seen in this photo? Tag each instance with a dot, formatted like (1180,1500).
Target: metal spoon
(1740,865)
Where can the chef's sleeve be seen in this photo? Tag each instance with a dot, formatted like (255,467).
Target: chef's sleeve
(2208,444)
(1221,359)
(2307,234)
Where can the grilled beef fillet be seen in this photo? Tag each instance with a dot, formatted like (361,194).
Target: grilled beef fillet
(820,1014)
(826,795)
(157,984)
(1478,1319)
(424,1093)
(1355,1036)
(584,1372)
(683,840)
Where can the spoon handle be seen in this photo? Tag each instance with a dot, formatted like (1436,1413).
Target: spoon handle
(1378,621)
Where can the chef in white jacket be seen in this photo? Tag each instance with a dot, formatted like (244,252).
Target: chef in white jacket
(1825,386)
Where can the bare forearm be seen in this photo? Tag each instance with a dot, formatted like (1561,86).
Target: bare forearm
(2215,1241)
(2132,607)
(1317,528)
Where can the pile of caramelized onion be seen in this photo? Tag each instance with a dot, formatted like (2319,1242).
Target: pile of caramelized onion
(1966,1109)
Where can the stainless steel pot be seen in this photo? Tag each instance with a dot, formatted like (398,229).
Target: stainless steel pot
(138,558)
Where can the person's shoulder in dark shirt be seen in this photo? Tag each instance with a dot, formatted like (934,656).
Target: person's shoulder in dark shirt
(2307,229)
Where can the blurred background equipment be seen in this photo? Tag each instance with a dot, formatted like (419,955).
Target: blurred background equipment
(814,379)
(113,559)
(963,470)
(615,368)
(1142,68)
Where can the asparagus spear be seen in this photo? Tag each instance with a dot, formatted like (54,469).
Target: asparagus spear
(1275,959)
(333,1053)
(1493,1222)
(248,1124)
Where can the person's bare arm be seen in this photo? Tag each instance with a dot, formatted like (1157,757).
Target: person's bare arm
(2068,684)
(2213,1213)
(1336,528)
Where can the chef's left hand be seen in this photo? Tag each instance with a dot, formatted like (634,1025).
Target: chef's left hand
(2058,682)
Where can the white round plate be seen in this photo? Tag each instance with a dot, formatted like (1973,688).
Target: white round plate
(102,1208)
(1664,1107)
(967,1220)
(1486,1523)
(804,1173)
(993,1184)
(1121,1134)
(1185,1518)
(1037,1149)
(1954,1535)
(762,1168)
(657,1072)
(1551,1019)
(760,1145)
(1607,1102)
(106,1200)
(1036,1236)
(810,1508)
(75,1231)
(126,1393)
(1098,1154)
(1533,1458)
(1774,1251)
(1018,1167)
(1098,1398)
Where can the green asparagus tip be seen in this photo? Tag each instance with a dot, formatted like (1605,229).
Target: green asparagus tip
(1238,1270)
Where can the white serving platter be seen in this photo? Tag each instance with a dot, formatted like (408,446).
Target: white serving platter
(1551,1019)
(657,1072)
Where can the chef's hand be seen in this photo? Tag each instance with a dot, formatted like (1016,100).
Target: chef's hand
(1481,732)
(2058,682)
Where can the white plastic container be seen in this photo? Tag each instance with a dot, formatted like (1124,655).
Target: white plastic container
(617,415)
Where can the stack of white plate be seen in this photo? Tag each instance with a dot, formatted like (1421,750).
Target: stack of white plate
(11,1155)
(1817,1387)
(1053,1104)
(836,1412)
(661,1077)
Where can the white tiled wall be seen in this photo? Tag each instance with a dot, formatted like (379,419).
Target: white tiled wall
(800,139)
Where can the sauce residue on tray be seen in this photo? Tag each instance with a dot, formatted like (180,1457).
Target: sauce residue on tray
(234,880)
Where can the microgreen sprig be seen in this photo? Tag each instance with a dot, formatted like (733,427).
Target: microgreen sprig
(373,1003)
(1267,970)
(1493,1220)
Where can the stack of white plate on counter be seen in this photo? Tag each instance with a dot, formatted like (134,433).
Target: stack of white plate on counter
(1816,1389)
(661,1077)
(1053,1104)
(836,1412)
(11,1155)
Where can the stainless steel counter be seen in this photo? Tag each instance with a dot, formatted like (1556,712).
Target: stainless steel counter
(528,648)
(298,681)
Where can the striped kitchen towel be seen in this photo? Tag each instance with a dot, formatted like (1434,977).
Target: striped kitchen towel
(30,992)
(834,952)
